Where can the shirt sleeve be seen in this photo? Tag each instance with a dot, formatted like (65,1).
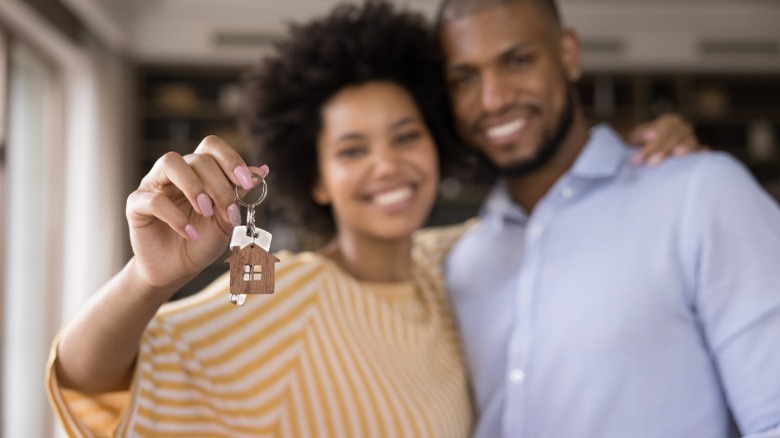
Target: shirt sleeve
(735,227)
(83,415)
(108,414)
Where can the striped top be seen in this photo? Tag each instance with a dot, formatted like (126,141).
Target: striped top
(325,356)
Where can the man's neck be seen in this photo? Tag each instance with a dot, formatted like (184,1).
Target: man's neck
(528,189)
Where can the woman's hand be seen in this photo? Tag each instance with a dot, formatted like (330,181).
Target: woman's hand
(183,213)
(669,134)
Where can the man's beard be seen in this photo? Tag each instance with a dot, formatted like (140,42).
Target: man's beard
(549,146)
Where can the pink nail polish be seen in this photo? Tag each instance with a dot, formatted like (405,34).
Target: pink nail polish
(204,203)
(234,214)
(192,233)
(244,177)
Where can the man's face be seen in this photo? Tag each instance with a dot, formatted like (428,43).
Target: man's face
(507,68)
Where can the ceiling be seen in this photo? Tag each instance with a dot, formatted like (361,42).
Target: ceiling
(661,33)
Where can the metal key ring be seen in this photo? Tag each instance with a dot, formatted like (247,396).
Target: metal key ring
(260,199)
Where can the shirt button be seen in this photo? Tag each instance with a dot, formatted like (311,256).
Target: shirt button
(536,231)
(567,192)
(516,376)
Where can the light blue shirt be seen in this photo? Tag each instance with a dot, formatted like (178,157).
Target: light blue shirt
(634,302)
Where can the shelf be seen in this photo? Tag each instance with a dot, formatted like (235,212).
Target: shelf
(739,114)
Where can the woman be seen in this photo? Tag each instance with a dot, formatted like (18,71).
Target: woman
(357,340)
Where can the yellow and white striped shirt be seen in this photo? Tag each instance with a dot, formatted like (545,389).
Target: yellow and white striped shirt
(325,356)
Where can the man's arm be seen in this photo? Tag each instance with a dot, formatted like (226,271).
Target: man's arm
(733,230)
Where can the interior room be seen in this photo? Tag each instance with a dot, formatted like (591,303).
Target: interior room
(93,92)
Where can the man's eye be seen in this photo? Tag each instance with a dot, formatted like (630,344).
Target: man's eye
(519,60)
(461,79)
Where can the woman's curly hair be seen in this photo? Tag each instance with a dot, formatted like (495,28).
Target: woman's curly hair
(353,45)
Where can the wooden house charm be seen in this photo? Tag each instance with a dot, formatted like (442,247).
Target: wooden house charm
(251,270)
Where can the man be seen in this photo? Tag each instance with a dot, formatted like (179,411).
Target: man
(596,298)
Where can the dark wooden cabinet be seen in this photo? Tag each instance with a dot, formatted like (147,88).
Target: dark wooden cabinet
(731,112)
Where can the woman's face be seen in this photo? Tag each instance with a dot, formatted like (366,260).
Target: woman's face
(378,167)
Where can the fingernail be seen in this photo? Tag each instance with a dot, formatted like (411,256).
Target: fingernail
(204,203)
(637,159)
(244,177)
(264,170)
(192,233)
(234,214)
(654,160)
(680,150)
(650,134)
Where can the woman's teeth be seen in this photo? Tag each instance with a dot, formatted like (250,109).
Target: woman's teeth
(393,196)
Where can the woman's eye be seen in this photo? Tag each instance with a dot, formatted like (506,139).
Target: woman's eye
(408,138)
(351,152)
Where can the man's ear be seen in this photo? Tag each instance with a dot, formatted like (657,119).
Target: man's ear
(320,194)
(571,54)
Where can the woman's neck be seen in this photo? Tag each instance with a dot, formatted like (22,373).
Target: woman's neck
(372,260)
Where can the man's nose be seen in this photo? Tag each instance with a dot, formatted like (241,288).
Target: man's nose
(495,92)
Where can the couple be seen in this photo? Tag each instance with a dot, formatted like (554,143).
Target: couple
(593,297)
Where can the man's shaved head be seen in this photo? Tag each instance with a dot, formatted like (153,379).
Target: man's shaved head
(454,9)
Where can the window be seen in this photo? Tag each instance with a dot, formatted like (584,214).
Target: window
(253,272)
(32,191)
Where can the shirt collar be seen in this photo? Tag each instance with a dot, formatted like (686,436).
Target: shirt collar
(602,157)
(499,204)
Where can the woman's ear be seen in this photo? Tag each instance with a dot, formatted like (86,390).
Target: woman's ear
(320,194)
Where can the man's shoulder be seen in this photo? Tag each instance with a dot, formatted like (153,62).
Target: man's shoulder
(702,171)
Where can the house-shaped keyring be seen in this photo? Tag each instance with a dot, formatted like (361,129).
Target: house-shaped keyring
(251,270)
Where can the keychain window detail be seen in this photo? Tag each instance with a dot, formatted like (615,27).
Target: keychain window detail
(251,265)
(253,272)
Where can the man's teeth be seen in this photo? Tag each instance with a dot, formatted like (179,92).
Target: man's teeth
(393,196)
(505,129)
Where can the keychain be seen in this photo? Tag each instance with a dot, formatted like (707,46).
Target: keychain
(251,265)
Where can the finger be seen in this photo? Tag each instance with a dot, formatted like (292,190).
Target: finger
(683,150)
(686,145)
(228,159)
(260,170)
(173,170)
(673,132)
(660,152)
(641,134)
(219,187)
(145,206)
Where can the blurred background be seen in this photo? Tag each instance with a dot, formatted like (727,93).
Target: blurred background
(92,92)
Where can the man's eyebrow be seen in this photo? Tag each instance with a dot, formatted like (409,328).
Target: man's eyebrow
(465,65)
